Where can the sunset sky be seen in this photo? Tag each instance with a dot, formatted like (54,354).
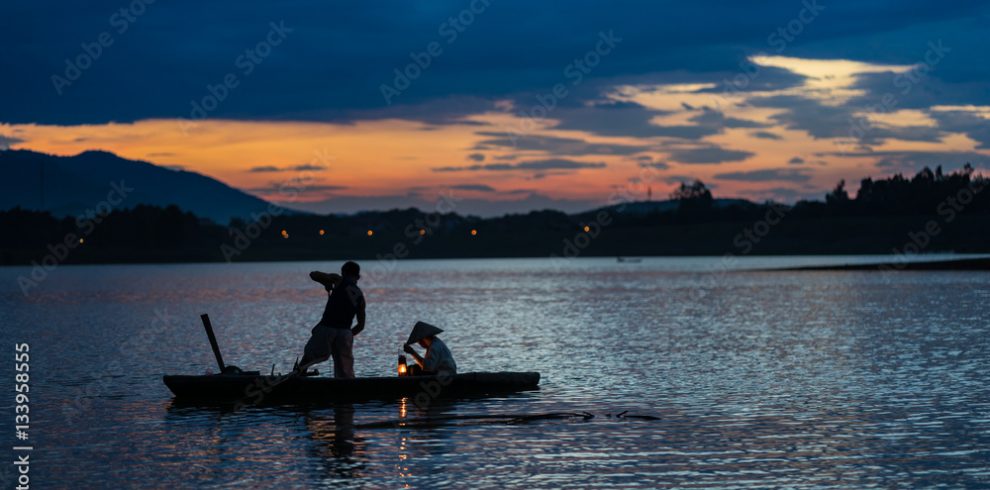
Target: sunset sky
(509,105)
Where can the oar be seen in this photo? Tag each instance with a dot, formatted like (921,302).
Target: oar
(213,341)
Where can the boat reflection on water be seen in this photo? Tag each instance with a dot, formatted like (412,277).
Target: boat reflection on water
(342,441)
(336,433)
(263,434)
(337,447)
(342,446)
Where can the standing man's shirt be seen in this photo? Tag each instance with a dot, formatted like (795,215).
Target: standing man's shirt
(439,359)
(345,300)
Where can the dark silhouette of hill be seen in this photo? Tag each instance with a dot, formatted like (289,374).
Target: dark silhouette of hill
(929,212)
(68,186)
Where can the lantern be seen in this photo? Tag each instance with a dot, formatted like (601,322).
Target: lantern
(403,369)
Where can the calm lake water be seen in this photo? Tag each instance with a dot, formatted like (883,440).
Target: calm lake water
(759,379)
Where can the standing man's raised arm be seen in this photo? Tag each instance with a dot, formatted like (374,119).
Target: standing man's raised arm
(327,280)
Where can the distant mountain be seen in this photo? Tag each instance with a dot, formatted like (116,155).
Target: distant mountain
(68,186)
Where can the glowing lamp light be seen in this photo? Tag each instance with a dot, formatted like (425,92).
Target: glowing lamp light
(403,368)
(371,232)
(422,231)
(323,232)
(587,228)
(82,241)
(285,234)
(474,232)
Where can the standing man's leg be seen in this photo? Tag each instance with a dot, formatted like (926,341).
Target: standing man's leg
(317,348)
(342,348)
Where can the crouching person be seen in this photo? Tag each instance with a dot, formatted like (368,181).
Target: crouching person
(437,360)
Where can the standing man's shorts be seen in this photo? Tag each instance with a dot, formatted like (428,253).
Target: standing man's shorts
(329,342)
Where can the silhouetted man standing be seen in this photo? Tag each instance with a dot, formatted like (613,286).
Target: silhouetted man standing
(334,335)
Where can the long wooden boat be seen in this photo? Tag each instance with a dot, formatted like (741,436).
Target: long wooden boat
(252,388)
(234,386)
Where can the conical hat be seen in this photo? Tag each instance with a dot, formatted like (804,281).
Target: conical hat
(420,331)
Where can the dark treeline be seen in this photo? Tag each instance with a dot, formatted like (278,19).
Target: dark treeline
(927,193)
(929,212)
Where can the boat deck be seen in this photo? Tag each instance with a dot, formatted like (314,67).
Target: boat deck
(261,389)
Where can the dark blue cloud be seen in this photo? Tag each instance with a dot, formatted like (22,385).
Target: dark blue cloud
(537,165)
(766,135)
(973,125)
(473,187)
(626,120)
(822,120)
(816,118)
(768,175)
(279,189)
(708,154)
(629,119)
(646,161)
(305,167)
(716,119)
(509,140)
(333,58)
(6,141)
(959,26)
(911,161)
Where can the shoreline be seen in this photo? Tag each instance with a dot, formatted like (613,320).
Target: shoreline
(972,264)
(963,261)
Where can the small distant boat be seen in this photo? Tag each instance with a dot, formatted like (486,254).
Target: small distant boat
(629,260)
(251,388)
